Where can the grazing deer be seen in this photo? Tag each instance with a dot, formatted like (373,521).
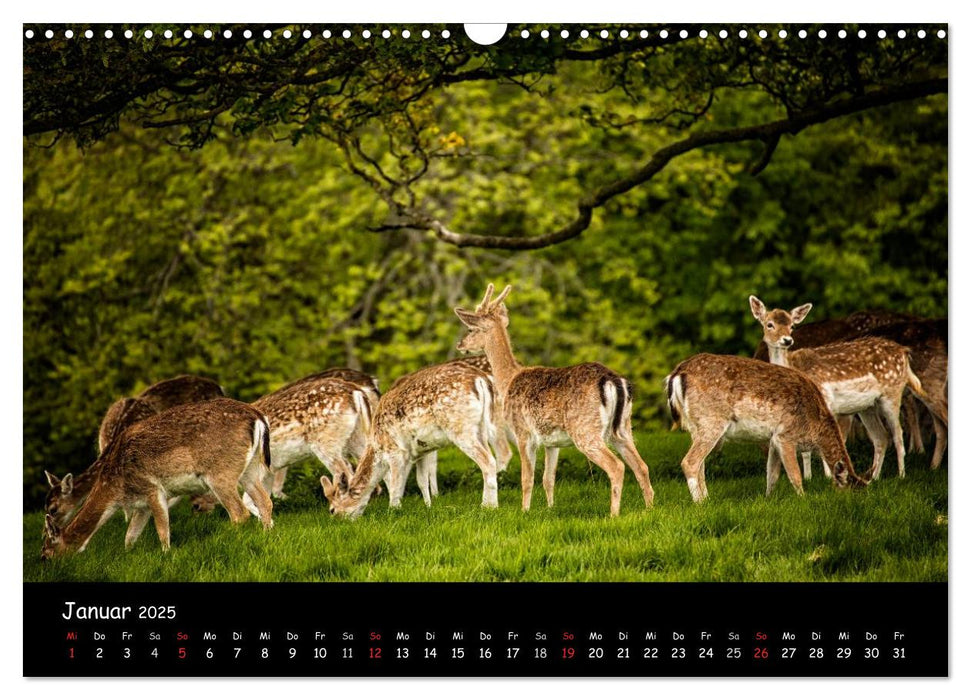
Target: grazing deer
(424,411)
(120,415)
(317,416)
(427,470)
(927,341)
(185,388)
(720,397)
(216,445)
(365,382)
(586,405)
(865,377)
(67,494)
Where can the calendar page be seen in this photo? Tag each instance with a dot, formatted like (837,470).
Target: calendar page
(485,350)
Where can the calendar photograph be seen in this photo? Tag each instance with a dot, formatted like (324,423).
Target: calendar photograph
(392,304)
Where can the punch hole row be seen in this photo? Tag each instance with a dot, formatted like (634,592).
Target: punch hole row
(524,34)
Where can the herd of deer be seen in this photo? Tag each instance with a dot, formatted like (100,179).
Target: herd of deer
(183,437)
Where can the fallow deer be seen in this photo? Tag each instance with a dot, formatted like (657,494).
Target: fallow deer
(586,405)
(216,446)
(120,415)
(500,444)
(865,377)
(363,381)
(186,388)
(720,397)
(67,494)
(427,469)
(836,330)
(927,341)
(424,411)
(318,416)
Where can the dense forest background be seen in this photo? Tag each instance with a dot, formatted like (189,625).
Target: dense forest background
(260,257)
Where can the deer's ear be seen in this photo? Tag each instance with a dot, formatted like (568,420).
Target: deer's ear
(800,312)
(342,482)
(67,485)
(758,308)
(50,525)
(470,319)
(52,480)
(328,487)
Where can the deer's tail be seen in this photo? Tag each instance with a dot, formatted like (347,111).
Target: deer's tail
(675,385)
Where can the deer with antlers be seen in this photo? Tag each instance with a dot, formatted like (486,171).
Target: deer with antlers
(586,405)
(215,446)
(424,411)
(866,377)
(719,397)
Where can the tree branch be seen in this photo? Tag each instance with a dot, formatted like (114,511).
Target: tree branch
(769,133)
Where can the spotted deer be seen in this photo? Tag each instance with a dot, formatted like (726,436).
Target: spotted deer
(500,444)
(186,388)
(427,469)
(216,445)
(424,411)
(721,397)
(66,495)
(586,405)
(927,341)
(310,387)
(866,377)
(318,416)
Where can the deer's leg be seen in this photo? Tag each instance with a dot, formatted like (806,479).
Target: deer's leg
(624,444)
(940,442)
(878,435)
(596,450)
(527,458)
(136,525)
(550,457)
(703,441)
(478,450)
(253,491)
(279,476)
(773,467)
(431,468)
(890,408)
(427,464)
(160,513)
(500,445)
(807,465)
(910,416)
(787,452)
(227,494)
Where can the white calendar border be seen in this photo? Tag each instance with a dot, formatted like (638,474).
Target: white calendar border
(11,408)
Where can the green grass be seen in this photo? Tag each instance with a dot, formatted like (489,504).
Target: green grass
(896,530)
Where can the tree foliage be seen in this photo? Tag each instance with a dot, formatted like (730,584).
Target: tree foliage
(289,231)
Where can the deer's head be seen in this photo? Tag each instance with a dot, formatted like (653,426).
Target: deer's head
(344,494)
(62,499)
(53,543)
(488,316)
(777,324)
